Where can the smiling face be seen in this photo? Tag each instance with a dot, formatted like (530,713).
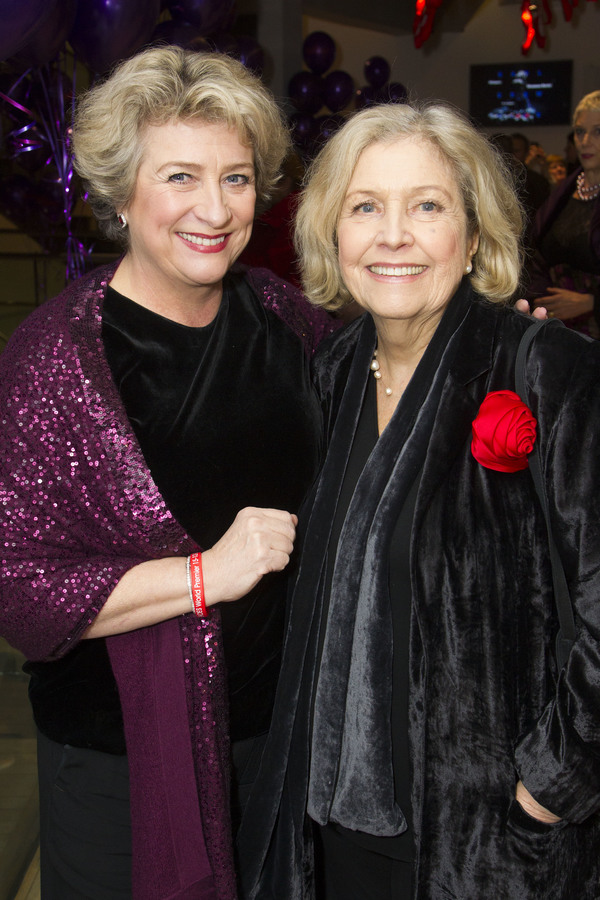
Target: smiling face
(586,134)
(192,210)
(402,233)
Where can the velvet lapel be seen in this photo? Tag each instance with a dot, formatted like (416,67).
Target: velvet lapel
(459,403)
(351,780)
(279,792)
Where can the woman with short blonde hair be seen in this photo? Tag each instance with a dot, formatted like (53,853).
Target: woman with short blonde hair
(160,483)
(162,85)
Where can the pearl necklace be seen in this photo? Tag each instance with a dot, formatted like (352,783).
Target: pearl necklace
(375,369)
(585,192)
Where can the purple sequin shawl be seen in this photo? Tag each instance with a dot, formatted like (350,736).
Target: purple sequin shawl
(79,508)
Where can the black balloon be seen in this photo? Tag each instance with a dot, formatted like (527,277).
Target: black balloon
(19,22)
(328,125)
(181,34)
(338,89)
(224,42)
(377,71)
(318,51)
(250,53)
(106,32)
(395,92)
(306,92)
(49,37)
(304,128)
(207,15)
(365,96)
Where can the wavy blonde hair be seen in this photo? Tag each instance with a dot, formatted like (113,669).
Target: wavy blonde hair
(162,85)
(590,101)
(485,181)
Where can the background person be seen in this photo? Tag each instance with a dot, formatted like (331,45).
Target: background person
(557,168)
(564,274)
(420,717)
(158,406)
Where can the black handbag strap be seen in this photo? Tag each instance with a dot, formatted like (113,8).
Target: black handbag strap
(566,632)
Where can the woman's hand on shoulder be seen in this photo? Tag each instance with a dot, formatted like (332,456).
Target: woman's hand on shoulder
(539,312)
(564,304)
(533,808)
(258,542)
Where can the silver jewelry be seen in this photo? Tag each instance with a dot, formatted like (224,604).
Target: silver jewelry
(122,220)
(583,191)
(375,369)
(468,269)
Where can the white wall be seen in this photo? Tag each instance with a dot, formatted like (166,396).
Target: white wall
(440,68)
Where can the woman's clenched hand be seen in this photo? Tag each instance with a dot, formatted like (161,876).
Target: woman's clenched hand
(258,542)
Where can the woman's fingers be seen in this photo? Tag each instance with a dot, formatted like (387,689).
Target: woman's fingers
(258,542)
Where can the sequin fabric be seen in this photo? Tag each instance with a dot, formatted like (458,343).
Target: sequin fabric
(78,508)
(311,323)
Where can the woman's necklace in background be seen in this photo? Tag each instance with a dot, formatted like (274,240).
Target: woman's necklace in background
(375,369)
(584,192)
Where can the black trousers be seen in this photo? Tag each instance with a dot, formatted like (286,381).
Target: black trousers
(85,832)
(85,829)
(348,871)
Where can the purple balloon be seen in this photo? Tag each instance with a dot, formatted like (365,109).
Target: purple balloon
(207,15)
(395,93)
(106,32)
(180,34)
(20,20)
(328,125)
(250,53)
(318,51)
(306,92)
(338,90)
(304,128)
(365,96)
(377,71)
(50,35)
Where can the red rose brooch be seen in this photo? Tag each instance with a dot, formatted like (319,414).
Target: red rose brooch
(503,432)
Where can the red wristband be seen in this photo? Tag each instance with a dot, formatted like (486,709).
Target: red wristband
(197,584)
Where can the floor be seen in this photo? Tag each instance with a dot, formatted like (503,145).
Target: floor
(19,827)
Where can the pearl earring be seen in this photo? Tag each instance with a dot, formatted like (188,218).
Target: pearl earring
(469,269)
(122,220)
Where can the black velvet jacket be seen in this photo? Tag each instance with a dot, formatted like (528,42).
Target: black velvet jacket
(486,704)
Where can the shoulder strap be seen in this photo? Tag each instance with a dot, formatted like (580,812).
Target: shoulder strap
(566,631)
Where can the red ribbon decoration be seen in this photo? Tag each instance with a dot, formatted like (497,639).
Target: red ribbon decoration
(530,17)
(423,22)
(527,20)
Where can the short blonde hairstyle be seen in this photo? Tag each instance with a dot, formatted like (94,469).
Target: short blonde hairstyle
(485,181)
(162,85)
(590,101)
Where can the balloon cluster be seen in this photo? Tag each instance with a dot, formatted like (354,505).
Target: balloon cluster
(102,32)
(45,46)
(378,88)
(312,90)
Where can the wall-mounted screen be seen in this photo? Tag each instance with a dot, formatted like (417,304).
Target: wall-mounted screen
(523,93)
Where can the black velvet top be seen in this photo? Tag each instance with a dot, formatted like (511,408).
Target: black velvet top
(226,417)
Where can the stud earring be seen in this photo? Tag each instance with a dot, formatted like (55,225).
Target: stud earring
(469,269)
(122,220)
